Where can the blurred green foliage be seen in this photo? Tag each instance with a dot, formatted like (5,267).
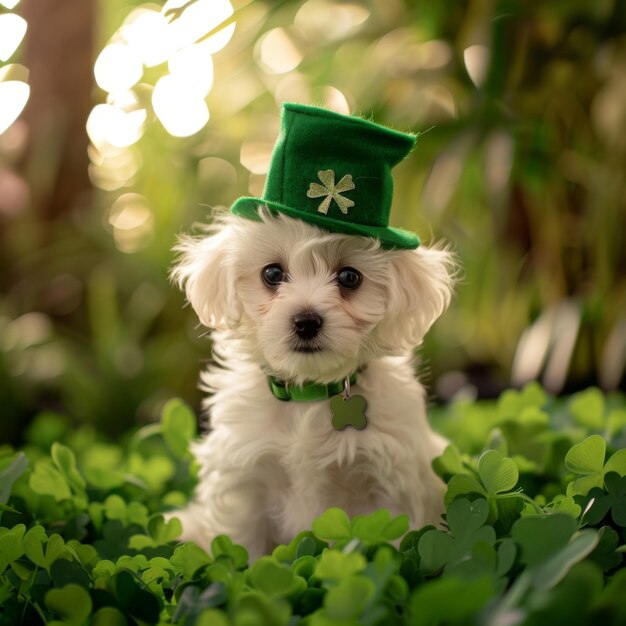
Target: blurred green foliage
(533,537)
(519,165)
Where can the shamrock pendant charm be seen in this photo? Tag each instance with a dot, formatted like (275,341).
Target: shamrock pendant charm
(347,410)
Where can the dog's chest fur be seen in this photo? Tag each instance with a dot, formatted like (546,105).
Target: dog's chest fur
(277,465)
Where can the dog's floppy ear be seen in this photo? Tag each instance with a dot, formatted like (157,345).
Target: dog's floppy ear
(204,270)
(420,290)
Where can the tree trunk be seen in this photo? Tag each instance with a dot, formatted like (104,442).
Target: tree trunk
(58,51)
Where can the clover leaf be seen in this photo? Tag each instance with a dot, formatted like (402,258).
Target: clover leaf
(617,464)
(178,427)
(615,421)
(11,468)
(449,601)
(497,475)
(34,542)
(160,532)
(587,408)
(223,546)
(565,504)
(103,467)
(11,547)
(304,566)
(114,538)
(379,526)
(461,485)
(85,554)
(71,603)
(529,439)
(133,597)
(449,463)
(116,508)
(382,570)
(65,461)
(541,536)
(348,598)
(300,545)
(466,520)
(58,476)
(612,500)
(274,580)
(108,616)
(587,458)
(188,558)
(512,402)
(47,480)
(487,561)
(605,553)
(333,525)
(550,546)
(307,546)
(152,472)
(64,572)
(255,609)
(163,531)
(193,601)
(334,565)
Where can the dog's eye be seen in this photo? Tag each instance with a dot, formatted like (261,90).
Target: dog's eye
(273,275)
(349,278)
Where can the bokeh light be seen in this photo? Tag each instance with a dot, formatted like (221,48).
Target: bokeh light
(214,171)
(113,168)
(277,52)
(335,100)
(145,30)
(476,59)
(179,105)
(132,221)
(322,19)
(117,68)
(193,65)
(519,165)
(14,95)
(109,124)
(14,89)
(12,31)
(196,21)
(177,33)
(294,87)
(14,193)
(255,156)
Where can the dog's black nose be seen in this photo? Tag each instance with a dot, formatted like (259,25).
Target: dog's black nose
(307,324)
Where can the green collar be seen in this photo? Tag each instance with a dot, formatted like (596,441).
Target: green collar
(309,391)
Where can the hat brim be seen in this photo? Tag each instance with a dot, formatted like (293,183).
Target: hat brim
(388,236)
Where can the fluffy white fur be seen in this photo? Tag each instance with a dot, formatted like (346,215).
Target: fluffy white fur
(268,467)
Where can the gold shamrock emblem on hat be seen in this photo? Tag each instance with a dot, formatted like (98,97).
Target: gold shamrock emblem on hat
(331,191)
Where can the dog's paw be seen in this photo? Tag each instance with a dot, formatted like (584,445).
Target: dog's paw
(348,412)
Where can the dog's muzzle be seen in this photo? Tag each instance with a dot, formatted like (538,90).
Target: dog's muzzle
(307,324)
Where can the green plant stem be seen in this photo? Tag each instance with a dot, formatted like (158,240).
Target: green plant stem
(523,496)
(39,611)
(516,593)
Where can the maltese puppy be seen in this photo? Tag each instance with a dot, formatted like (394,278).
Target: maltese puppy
(316,304)
(294,303)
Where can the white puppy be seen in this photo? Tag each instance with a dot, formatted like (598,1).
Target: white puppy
(292,301)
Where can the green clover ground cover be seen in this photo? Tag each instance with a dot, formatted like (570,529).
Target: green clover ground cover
(535,531)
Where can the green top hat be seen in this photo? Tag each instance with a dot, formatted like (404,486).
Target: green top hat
(334,171)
